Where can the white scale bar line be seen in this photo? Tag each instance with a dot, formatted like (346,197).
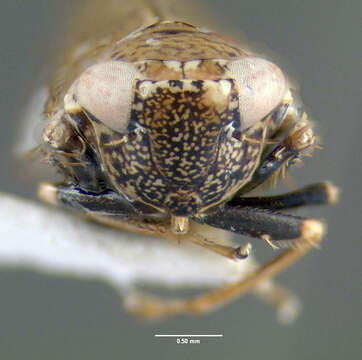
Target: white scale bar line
(188,335)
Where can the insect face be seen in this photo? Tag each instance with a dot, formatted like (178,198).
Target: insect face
(167,132)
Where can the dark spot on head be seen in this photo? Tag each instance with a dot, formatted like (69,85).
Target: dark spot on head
(173,32)
(197,83)
(176,83)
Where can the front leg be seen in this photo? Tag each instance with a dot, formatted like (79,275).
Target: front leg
(65,148)
(300,141)
(106,202)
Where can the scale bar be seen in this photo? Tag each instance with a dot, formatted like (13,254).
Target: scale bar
(188,335)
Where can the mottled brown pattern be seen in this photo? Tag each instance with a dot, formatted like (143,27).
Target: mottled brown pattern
(171,40)
(211,69)
(164,40)
(181,153)
(180,157)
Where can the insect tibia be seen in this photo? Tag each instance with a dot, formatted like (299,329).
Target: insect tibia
(301,137)
(299,143)
(59,135)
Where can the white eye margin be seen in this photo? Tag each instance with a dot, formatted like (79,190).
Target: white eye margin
(106,91)
(261,85)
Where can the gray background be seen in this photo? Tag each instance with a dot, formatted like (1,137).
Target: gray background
(48,318)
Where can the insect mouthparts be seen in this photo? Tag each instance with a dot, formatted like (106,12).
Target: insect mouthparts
(179,224)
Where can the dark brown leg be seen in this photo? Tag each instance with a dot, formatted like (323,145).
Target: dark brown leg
(124,216)
(274,227)
(310,232)
(317,194)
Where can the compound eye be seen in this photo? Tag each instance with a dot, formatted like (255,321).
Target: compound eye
(106,91)
(261,86)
